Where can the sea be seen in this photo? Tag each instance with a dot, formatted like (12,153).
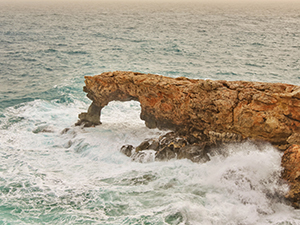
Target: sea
(52,172)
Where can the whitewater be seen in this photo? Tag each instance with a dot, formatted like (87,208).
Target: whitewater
(52,172)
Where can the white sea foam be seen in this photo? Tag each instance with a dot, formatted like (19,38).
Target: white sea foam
(53,175)
(81,172)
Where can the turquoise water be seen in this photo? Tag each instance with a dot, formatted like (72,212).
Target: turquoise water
(78,176)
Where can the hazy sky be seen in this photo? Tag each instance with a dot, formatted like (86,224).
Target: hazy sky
(222,1)
(85,2)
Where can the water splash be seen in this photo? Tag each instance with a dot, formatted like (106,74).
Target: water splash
(53,175)
(50,174)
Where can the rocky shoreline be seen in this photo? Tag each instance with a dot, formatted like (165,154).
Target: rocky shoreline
(174,146)
(204,115)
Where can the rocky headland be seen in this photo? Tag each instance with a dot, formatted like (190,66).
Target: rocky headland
(204,114)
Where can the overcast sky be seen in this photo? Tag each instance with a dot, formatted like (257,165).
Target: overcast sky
(236,1)
(289,3)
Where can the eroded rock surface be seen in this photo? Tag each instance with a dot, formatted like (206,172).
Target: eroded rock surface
(174,146)
(204,114)
(254,110)
(291,173)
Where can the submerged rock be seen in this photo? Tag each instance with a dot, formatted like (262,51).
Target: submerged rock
(43,129)
(127,150)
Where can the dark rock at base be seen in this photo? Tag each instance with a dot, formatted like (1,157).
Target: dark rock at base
(174,146)
(127,150)
(86,123)
(143,156)
(196,153)
(91,118)
(170,145)
(173,141)
(165,154)
(148,144)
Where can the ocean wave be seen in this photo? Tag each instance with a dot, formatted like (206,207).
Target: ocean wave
(55,173)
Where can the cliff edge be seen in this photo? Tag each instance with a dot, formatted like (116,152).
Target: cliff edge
(255,110)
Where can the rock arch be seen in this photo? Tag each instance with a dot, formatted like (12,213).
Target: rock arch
(255,110)
(208,111)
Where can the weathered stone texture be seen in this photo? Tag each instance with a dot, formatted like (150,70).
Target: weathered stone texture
(204,113)
(291,173)
(255,110)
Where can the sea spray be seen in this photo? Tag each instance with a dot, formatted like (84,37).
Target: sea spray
(54,173)
(78,175)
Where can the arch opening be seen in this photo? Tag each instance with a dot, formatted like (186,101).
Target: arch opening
(122,112)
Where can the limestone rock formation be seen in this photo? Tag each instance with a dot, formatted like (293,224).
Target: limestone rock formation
(203,114)
(254,110)
(291,164)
